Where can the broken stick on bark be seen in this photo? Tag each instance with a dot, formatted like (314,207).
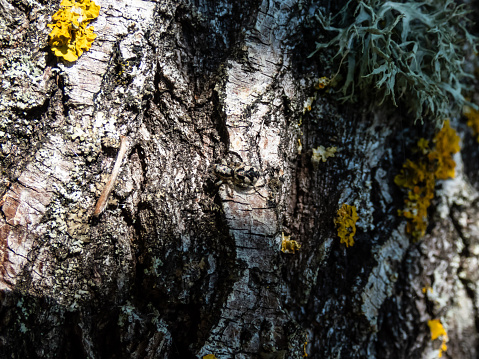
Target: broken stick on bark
(103,200)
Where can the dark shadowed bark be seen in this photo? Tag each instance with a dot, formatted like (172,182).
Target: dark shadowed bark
(181,266)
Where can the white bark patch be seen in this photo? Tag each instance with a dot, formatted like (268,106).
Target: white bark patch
(456,191)
(116,19)
(250,105)
(383,277)
(24,205)
(247,212)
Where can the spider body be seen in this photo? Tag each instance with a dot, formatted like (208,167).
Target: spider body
(239,174)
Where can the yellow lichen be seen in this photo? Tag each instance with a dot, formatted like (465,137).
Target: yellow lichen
(447,143)
(304,349)
(300,146)
(472,116)
(346,224)
(288,245)
(423,145)
(437,330)
(427,289)
(419,177)
(70,35)
(322,154)
(322,83)
(308,103)
(209,356)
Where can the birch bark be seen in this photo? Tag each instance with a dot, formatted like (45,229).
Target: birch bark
(178,267)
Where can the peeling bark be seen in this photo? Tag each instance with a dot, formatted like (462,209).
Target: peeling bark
(178,266)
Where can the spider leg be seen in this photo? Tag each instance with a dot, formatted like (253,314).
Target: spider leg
(257,192)
(230,185)
(237,156)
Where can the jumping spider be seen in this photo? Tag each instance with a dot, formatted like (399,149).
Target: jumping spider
(238,174)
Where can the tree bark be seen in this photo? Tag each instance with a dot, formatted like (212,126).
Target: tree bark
(179,266)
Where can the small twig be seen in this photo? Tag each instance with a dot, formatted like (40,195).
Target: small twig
(103,200)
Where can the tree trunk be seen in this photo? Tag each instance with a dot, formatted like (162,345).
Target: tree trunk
(179,265)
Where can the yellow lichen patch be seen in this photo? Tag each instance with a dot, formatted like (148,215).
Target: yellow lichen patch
(288,245)
(427,289)
(447,143)
(346,224)
(309,103)
(419,177)
(423,145)
(437,330)
(412,174)
(322,154)
(472,116)
(300,146)
(70,35)
(209,356)
(322,83)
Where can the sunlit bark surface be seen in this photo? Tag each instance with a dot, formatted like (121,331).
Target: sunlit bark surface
(179,265)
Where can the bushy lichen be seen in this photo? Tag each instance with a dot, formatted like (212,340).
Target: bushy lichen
(411,51)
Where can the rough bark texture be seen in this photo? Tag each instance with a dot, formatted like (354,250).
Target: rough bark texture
(178,266)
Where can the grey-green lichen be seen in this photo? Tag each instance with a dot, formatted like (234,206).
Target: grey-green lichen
(156,264)
(128,314)
(23,315)
(411,51)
